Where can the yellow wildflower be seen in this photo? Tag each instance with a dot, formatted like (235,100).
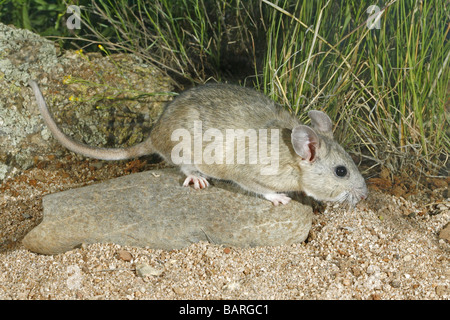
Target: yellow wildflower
(67,79)
(102,48)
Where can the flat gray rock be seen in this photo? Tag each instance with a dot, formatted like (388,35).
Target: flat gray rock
(152,209)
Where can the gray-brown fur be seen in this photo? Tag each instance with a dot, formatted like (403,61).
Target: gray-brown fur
(308,157)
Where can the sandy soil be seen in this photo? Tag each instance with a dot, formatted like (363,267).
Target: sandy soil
(389,247)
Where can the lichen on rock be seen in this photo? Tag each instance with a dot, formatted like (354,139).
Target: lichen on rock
(106,103)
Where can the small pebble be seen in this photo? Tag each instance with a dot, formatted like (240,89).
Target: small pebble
(178,290)
(143,270)
(407,258)
(232,286)
(125,255)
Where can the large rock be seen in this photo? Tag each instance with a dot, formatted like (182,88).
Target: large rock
(106,101)
(152,209)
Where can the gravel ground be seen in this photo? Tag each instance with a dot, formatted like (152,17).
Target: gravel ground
(386,248)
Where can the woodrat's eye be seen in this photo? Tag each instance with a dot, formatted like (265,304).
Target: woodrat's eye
(340,171)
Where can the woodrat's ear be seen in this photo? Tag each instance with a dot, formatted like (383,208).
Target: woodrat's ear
(321,122)
(305,142)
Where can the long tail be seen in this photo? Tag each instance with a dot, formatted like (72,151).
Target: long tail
(143,148)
